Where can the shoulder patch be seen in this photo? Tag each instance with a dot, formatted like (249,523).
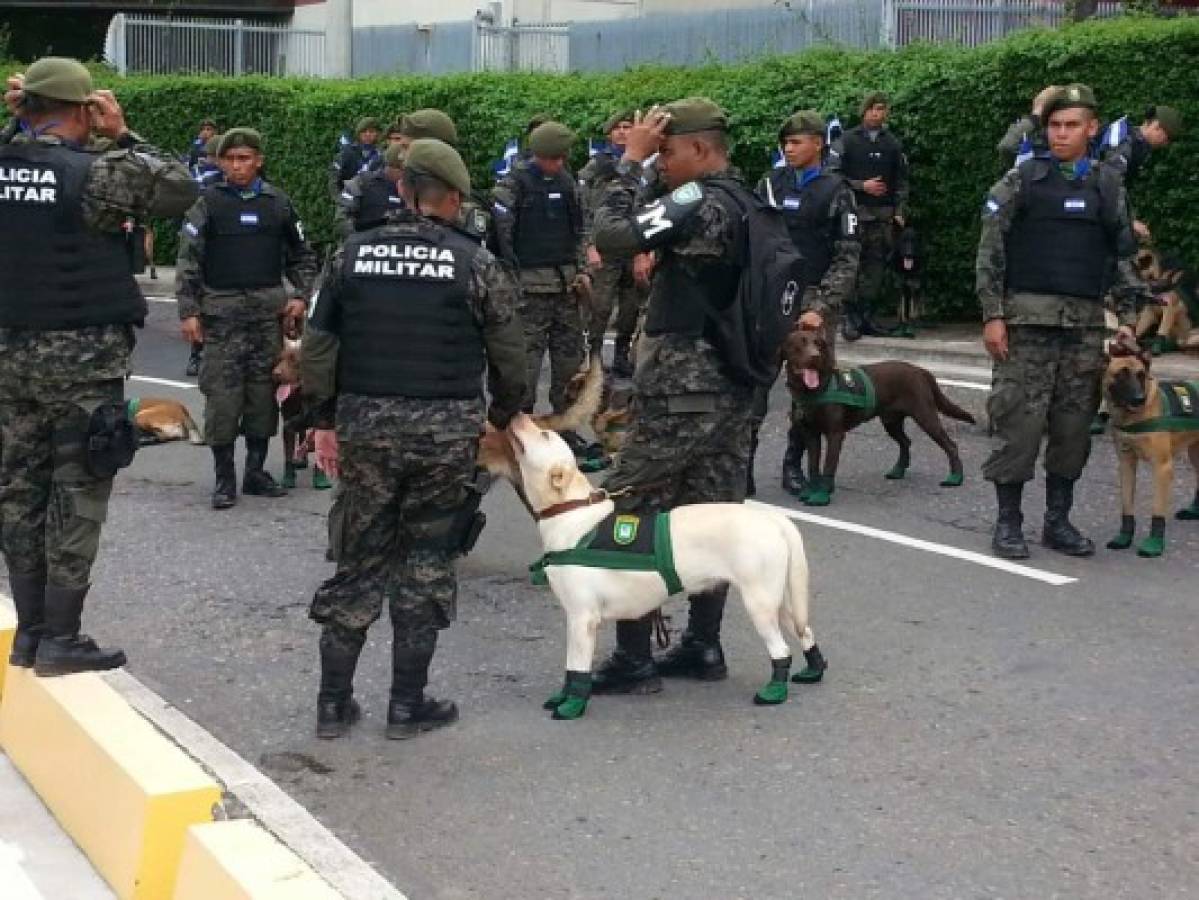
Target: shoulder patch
(689,193)
(991,206)
(191,229)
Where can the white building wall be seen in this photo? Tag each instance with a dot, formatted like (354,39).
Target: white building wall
(372,13)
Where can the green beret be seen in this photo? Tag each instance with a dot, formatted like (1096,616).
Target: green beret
(695,114)
(368,123)
(1169,119)
(622,115)
(208,123)
(874,98)
(429,123)
(239,137)
(1069,97)
(59,78)
(429,156)
(806,121)
(537,120)
(551,140)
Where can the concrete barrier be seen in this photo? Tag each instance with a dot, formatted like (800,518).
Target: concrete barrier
(121,790)
(239,860)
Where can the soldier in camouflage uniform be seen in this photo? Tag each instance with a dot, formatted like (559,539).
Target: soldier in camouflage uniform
(360,156)
(238,243)
(68,304)
(1051,230)
(614,286)
(407,318)
(821,215)
(367,199)
(689,441)
(538,214)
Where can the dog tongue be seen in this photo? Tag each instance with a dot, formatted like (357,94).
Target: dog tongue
(811,379)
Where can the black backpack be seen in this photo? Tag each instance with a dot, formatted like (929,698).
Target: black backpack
(750,331)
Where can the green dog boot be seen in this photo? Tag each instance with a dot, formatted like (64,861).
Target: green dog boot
(572,699)
(320,481)
(1123,540)
(896,472)
(288,481)
(953,479)
(813,671)
(595,463)
(1188,513)
(1154,545)
(774,691)
(820,493)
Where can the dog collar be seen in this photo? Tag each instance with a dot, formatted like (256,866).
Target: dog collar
(558,509)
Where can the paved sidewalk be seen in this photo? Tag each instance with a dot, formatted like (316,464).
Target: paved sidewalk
(38,861)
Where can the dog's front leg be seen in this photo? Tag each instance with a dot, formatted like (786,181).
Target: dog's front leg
(821,493)
(1163,479)
(811,439)
(1128,487)
(571,701)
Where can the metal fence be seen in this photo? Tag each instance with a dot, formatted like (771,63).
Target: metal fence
(544,47)
(971,23)
(163,45)
(433,50)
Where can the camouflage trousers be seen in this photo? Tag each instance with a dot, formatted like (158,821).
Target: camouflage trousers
(51,508)
(874,265)
(235,378)
(551,322)
(692,448)
(1049,385)
(613,289)
(398,498)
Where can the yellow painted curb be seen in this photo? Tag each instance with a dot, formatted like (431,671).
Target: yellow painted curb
(123,792)
(239,860)
(8,627)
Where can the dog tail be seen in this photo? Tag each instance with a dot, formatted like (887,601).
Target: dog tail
(793,615)
(194,435)
(944,404)
(583,410)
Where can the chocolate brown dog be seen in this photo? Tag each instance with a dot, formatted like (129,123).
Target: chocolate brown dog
(836,401)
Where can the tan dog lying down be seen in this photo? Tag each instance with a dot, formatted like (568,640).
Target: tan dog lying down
(159,419)
(757,551)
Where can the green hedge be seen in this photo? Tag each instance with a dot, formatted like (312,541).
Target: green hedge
(950,106)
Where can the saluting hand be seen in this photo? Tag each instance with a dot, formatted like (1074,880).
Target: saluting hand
(645,137)
(108,119)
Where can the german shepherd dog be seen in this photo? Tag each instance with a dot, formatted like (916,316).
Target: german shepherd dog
(1142,423)
(906,260)
(1169,323)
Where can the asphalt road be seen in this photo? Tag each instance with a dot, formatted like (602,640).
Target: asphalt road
(980,733)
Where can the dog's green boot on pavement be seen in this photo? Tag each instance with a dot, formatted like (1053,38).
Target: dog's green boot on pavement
(896,472)
(820,493)
(953,479)
(774,691)
(571,702)
(1154,545)
(288,481)
(1123,540)
(1189,513)
(320,481)
(813,671)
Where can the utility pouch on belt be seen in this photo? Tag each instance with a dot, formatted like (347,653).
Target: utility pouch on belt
(111,440)
(469,520)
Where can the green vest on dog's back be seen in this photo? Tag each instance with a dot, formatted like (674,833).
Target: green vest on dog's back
(624,542)
(846,387)
(1178,409)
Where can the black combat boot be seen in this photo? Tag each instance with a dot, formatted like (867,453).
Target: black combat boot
(336,708)
(29,597)
(1008,540)
(751,486)
(699,654)
(1059,533)
(410,712)
(630,669)
(193,361)
(257,481)
(621,365)
(62,649)
(794,482)
(224,494)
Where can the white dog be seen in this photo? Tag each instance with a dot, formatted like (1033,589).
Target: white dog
(757,551)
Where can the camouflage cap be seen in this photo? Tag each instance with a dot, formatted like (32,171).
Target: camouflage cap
(551,140)
(806,121)
(694,114)
(621,115)
(239,137)
(367,123)
(429,156)
(1069,97)
(1169,119)
(874,98)
(59,78)
(429,123)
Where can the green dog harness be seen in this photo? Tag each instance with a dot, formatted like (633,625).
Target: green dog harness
(1178,409)
(619,542)
(846,387)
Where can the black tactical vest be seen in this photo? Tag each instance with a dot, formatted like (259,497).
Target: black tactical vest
(55,273)
(376,200)
(674,305)
(548,220)
(806,212)
(1062,239)
(406,326)
(244,240)
(863,159)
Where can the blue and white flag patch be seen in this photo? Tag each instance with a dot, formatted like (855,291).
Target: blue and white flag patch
(1074,204)
(249,218)
(191,229)
(790,203)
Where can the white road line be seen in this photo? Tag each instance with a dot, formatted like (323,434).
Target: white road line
(148,380)
(290,822)
(161,299)
(980,559)
(972,385)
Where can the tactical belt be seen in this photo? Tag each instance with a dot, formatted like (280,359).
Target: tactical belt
(660,560)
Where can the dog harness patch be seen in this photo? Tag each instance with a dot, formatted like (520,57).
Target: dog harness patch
(1177,409)
(620,542)
(846,387)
